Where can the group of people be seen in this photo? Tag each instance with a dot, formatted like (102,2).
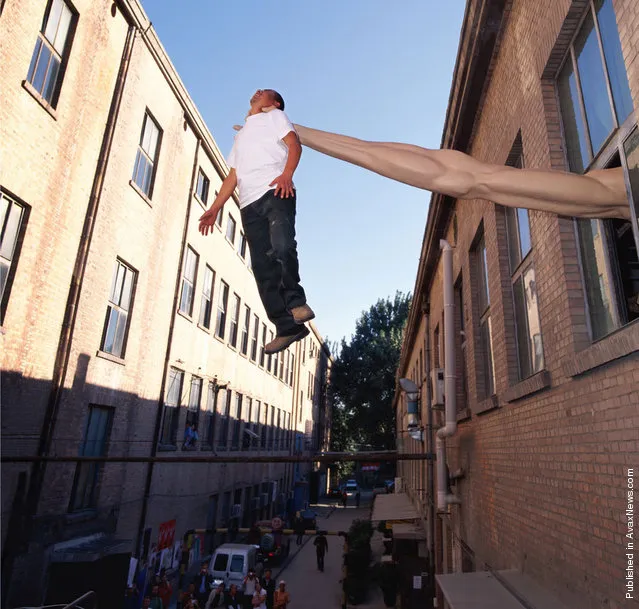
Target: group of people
(256,594)
(159,597)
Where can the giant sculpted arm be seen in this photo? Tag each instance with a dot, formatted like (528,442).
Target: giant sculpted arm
(597,194)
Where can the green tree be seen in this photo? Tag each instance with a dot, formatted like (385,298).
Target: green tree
(363,378)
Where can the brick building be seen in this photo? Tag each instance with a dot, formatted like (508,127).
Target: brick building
(545,333)
(123,330)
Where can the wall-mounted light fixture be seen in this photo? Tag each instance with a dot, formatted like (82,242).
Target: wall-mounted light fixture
(415,430)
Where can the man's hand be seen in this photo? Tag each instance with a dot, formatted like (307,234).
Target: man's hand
(284,185)
(208,218)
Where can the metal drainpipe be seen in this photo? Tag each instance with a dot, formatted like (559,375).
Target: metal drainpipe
(429,449)
(68,323)
(443,497)
(160,406)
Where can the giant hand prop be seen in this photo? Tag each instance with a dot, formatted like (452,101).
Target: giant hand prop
(597,194)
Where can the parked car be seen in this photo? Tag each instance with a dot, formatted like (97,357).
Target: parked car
(335,492)
(231,563)
(351,488)
(380,489)
(309,518)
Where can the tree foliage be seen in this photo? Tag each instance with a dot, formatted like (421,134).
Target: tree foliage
(363,378)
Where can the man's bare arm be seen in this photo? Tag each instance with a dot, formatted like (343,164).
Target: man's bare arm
(284,183)
(207,220)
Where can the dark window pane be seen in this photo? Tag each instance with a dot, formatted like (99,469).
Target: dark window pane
(572,119)
(631,148)
(41,69)
(614,59)
(593,84)
(597,278)
(529,343)
(487,355)
(109,336)
(34,60)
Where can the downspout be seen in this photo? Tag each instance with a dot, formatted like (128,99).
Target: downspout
(68,323)
(444,498)
(429,449)
(167,357)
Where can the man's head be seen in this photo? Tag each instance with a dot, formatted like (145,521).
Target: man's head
(267,574)
(204,567)
(233,589)
(146,602)
(264,98)
(155,590)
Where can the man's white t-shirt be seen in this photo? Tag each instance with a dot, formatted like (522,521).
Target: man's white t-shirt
(259,155)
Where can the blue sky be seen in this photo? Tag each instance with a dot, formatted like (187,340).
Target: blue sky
(368,68)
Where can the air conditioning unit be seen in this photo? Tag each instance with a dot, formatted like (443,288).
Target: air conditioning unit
(256,503)
(236,510)
(398,485)
(264,498)
(437,383)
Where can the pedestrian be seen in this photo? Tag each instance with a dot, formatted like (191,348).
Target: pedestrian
(259,597)
(268,583)
(132,598)
(146,603)
(190,437)
(264,157)
(156,601)
(202,582)
(299,530)
(254,535)
(188,594)
(234,600)
(321,546)
(281,598)
(357,499)
(250,581)
(165,588)
(216,598)
(344,498)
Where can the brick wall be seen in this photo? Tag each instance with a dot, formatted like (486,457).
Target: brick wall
(545,460)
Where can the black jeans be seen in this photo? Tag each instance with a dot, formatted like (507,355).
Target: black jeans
(320,561)
(269,225)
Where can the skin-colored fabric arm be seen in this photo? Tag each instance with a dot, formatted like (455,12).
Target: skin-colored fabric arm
(598,194)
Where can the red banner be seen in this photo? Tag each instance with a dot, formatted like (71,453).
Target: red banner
(166,535)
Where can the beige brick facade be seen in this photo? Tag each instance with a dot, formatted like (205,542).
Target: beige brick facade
(544,460)
(70,163)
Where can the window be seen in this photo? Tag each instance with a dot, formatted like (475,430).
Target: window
(222,304)
(256,331)
(246,438)
(210,416)
(460,348)
(264,429)
(272,434)
(96,436)
(286,357)
(258,424)
(221,560)
(237,422)
(262,345)
(13,221)
(226,411)
(231,225)
(192,414)
(486,387)
(281,358)
(278,431)
(147,155)
(207,297)
(593,86)
(237,563)
(235,320)
(269,358)
(530,349)
(202,187)
(220,215)
(189,274)
(245,330)
(172,407)
(50,55)
(116,324)
(276,359)
(301,405)
(292,368)
(241,247)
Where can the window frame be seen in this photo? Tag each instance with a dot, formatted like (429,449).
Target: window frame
(222,311)
(210,415)
(5,290)
(62,57)
(235,320)
(174,373)
(194,406)
(246,330)
(231,221)
(202,194)
(148,115)
(207,301)
(192,283)
(129,312)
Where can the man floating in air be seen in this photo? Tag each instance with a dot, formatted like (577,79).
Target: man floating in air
(264,157)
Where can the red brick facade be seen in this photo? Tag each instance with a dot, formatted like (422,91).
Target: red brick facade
(544,460)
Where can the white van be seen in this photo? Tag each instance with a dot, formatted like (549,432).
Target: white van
(232,562)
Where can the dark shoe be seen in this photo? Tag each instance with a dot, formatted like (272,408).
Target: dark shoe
(279,343)
(302,314)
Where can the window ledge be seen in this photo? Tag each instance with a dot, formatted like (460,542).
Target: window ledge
(202,203)
(614,346)
(27,86)
(182,314)
(487,404)
(144,196)
(81,516)
(528,386)
(216,337)
(112,358)
(463,414)
(204,328)
(167,447)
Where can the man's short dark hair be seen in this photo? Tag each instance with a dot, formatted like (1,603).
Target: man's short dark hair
(278,98)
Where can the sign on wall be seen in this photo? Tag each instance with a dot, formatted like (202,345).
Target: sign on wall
(167,535)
